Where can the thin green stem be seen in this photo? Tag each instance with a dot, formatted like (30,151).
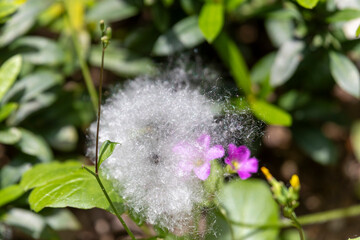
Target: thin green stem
(99,111)
(127,229)
(298,226)
(84,68)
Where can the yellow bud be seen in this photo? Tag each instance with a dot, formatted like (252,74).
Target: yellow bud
(267,173)
(295,182)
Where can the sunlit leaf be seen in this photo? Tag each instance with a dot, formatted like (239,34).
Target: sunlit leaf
(261,70)
(231,5)
(211,20)
(6,8)
(47,52)
(62,219)
(355,139)
(122,62)
(286,62)
(184,34)
(345,73)
(308,3)
(75,11)
(6,110)
(111,10)
(248,202)
(10,135)
(280,30)
(107,148)
(10,194)
(34,145)
(22,20)
(30,223)
(69,188)
(232,57)
(270,114)
(8,73)
(316,145)
(344,15)
(11,173)
(62,138)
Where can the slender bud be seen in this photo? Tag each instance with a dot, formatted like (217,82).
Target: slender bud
(109,32)
(102,25)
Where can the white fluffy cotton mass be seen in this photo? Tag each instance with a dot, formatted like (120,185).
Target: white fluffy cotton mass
(148,119)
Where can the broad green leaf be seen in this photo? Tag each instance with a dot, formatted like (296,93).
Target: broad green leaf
(357,34)
(290,234)
(232,57)
(189,6)
(308,3)
(7,8)
(261,70)
(249,202)
(345,73)
(286,62)
(316,145)
(10,135)
(122,62)
(280,30)
(344,15)
(11,173)
(107,148)
(185,34)
(30,223)
(8,73)
(6,110)
(111,10)
(34,145)
(270,114)
(22,20)
(62,219)
(10,194)
(62,138)
(75,10)
(161,16)
(355,139)
(42,174)
(78,189)
(211,20)
(47,51)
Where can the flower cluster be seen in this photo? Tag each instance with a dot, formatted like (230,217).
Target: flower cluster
(165,153)
(197,158)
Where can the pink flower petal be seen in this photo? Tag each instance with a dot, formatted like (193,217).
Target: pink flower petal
(203,171)
(244,175)
(232,149)
(204,141)
(215,152)
(186,151)
(242,154)
(248,167)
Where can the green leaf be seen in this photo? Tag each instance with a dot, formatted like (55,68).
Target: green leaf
(10,194)
(10,135)
(211,20)
(232,57)
(111,10)
(8,73)
(286,62)
(22,20)
(122,62)
(62,138)
(185,34)
(62,219)
(280,30)
(30,223)
(355,139)
(249,202)
(6,110)
(231,5)
(261,70)
(12,172)
(316,145)
(34,145)
(48,52)
(77,188)
(358,238)
(7,8)
(270,114)
(161,16)
(308,3)
(357,34)
(344,15)
(107,148)
(345,73)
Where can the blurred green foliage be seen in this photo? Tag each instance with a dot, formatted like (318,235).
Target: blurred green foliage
(50,54)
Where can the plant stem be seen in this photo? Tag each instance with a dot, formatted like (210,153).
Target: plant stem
(99,111)
(127,229)
(298,226)
(84,68)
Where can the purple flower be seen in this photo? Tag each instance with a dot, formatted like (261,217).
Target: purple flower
(239,160)
(197,157)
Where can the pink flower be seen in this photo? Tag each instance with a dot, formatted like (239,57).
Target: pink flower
(197,157)
(239,160)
